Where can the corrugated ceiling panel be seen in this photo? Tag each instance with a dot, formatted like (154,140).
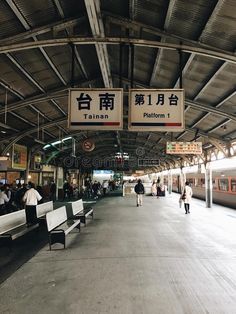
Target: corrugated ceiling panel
(221,30)
(150,12)
(189,17)
(36,12)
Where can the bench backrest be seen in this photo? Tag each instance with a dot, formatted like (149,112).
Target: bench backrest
(56,217)
(77,206)
(43,209)
(12,220)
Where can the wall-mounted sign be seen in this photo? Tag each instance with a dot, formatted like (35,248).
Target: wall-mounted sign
(148,162)
(95,109)
(19,157)
(37,162)
(184,148)
(88,145)
(4,164)
(156,110)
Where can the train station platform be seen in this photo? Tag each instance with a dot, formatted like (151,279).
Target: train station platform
(148,259)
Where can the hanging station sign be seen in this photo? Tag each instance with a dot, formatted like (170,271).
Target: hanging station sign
(156,110)
(95,109)
(19,157)
(176,148)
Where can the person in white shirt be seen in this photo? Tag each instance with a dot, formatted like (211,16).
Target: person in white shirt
(3,199)
(31,199)
(187,196)
(105,186)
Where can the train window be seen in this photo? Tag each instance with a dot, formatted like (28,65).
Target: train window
(223,185)
(214,184)
(233,185)
(191,181)
(201,182)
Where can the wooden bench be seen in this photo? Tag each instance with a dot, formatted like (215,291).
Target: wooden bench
(13,225)
(59,226)
(79,212)
(43,209)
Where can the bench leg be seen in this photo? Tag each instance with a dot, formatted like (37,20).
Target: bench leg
(78,226)
(57,237)
(83,219)
(6,240)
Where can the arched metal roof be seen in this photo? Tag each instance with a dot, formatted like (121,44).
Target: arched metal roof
(37,39)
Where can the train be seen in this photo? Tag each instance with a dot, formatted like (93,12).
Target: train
(223,186)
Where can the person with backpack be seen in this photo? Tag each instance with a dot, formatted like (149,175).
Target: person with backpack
(139,190)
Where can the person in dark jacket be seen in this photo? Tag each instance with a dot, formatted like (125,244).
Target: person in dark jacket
(53,191)
(139,190)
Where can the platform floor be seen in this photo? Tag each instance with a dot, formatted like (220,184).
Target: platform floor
(149,259)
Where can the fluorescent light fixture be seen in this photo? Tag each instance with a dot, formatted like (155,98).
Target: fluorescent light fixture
(46,146)
(55,143)
(39,141)
(67,138)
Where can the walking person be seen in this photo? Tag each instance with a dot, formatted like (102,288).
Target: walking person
(31,199)
(186,197)
(105,186)
(154,189)
(139,190)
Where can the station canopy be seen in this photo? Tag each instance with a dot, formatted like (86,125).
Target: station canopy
(50,46)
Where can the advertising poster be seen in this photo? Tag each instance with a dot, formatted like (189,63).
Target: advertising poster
(19,157)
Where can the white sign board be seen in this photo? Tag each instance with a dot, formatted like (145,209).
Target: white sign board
(176,148)
(95,109)
(156,110)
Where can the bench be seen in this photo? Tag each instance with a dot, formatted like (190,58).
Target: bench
(43,209)
(79,212)
(59,226)
(13,225)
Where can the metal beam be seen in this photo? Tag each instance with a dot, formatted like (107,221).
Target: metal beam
(96,24)
(57,93)
(52,27)
(15,138)
(163,39)
(211,53)
(212,17)
(219,125)
(79,60)
(25,24)
(215,108)
(210,109)
(129,24)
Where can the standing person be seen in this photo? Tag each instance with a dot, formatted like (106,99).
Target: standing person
(186,197)
(154,189)
(53,190)
(105,186)
(19,196)
(66,190)
(139,190)
(159,187)
(31,199)
(3,201)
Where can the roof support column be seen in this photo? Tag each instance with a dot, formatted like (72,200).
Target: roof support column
(170,181)
(208,185)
